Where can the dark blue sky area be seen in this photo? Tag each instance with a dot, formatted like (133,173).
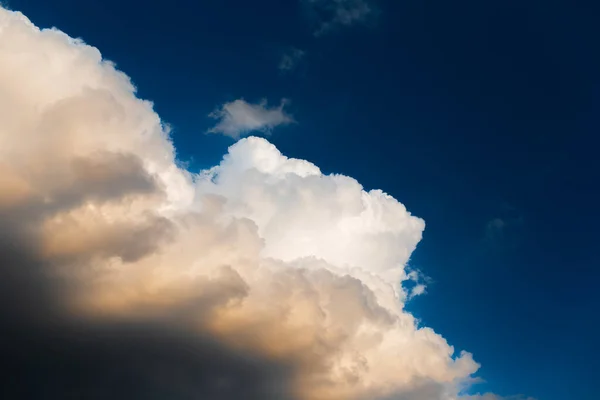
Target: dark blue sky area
(480,116)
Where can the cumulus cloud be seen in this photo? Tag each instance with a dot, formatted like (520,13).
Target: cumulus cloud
(127,276)
(290,59)
(238,118)
(332,14)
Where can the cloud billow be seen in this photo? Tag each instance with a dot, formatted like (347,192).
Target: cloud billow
(127,276)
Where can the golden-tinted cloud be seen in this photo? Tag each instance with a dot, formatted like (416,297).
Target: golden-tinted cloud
(258,278)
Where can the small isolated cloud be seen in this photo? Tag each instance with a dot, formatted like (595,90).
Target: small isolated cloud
(290,59)
(416,283)
(239,117)
(335,13)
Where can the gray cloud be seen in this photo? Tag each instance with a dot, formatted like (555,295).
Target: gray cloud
(239,118)
(142,360)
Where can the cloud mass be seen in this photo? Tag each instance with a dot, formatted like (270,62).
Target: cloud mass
(238,118)
(127,276)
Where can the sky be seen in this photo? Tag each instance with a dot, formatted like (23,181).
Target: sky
(479,119)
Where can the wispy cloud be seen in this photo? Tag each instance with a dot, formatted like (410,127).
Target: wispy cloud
(239,117)
(504,232)
(290,59)
(416,283)
(335,13)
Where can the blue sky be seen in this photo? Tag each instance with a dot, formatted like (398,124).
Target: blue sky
(481,117)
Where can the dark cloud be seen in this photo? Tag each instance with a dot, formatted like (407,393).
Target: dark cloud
(49,354)
(100,177)
(106,176)
(131,361)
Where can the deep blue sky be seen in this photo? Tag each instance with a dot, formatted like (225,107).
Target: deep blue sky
(468,112)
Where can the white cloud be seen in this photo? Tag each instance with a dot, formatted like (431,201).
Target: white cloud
(335,13)
(264,253)
(290,59)
(239,118)
(418,280)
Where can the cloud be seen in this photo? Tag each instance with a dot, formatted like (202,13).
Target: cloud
(127,276)
(332,14)
(290,59)
(416,283)
(239,118)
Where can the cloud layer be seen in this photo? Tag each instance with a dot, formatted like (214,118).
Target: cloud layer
(238,118)
(126,276)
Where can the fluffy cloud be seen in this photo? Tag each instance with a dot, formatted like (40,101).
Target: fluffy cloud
(290,59)
(334,13)
(126,276)
(239,117)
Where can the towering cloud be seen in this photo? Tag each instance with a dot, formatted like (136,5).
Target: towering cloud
(128,277)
